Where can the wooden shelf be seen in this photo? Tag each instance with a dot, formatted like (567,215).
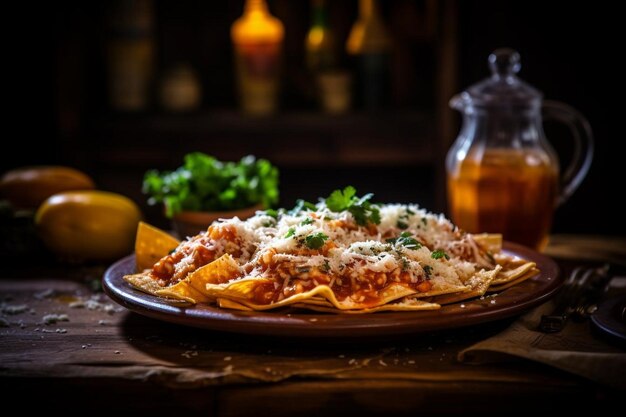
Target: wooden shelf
(287,139)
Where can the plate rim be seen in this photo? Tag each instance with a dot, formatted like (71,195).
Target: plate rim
(314,324)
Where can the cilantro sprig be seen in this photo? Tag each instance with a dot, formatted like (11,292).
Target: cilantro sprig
(300,206)
(428,270)
(405,239)
(362,209)
(438,254)
(316,240)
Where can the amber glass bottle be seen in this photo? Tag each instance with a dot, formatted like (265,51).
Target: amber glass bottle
(257,37)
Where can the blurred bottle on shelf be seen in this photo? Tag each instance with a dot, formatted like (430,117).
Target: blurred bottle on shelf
(130,54)
(180,89)
(320,41)
(370,43)
(335,91)
(257,37)
(332,85)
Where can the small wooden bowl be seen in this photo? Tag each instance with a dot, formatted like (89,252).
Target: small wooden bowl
(190,223)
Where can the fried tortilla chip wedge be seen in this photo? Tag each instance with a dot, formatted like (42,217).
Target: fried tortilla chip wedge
(193,287)
(511,273)
(441,285)
(183,290)
(491,242)
(143,282)
(151,244)
(243,291)
(318,301)
(225,303)
(403,305)
(478,285)
(529,274)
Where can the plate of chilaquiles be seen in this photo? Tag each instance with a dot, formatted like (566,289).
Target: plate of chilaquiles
(344,267)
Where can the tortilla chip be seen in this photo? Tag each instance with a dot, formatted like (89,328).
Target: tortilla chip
(491,242)
(508,274)
(143,282)
(152,244)
(531,273)
(441,285)
(193,287)
(242,291)
(183,290)
(224,303)
(478,286)
(318,301)
(403,305)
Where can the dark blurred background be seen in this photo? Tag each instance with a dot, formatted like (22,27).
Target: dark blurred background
(59,111)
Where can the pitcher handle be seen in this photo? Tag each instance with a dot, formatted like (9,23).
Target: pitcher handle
(583,145)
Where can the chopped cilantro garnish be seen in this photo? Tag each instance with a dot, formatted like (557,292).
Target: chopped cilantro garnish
(439,254)
(272,213)
(424,221)
(428,270)
(402,225)
(290,232)
(405,239)
(302,205)
(326,266)
(405,263)
(306,221)
(408,210)
(361,209)
(316,240)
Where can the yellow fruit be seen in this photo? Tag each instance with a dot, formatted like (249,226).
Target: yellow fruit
(88,225)
(28,187)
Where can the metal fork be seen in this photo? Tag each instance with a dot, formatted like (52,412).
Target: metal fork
(579,293)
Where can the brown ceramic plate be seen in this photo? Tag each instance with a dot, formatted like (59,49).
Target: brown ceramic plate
(296,323)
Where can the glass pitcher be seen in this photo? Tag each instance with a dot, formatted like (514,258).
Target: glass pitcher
(503,176)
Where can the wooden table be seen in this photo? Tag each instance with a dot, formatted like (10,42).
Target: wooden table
(104,358)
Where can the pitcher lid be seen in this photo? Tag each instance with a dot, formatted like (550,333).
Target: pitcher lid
(504,87)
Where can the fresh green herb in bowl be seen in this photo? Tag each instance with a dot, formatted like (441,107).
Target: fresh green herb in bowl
(204,183)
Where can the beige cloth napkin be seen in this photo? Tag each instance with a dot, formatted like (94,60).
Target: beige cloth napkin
(575,349)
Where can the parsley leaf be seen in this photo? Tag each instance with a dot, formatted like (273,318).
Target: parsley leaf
(302,205)
(272,213)
(405,239)
(402,225)
(316,240)
(405,263)
(290,232)
(306,221)
(326,266)
(438,254)
(362,209)
(341,200)
(428,270)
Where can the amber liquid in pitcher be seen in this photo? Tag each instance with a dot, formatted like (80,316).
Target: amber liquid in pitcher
(506,191)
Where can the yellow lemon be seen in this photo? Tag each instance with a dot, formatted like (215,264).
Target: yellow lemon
(88,225)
